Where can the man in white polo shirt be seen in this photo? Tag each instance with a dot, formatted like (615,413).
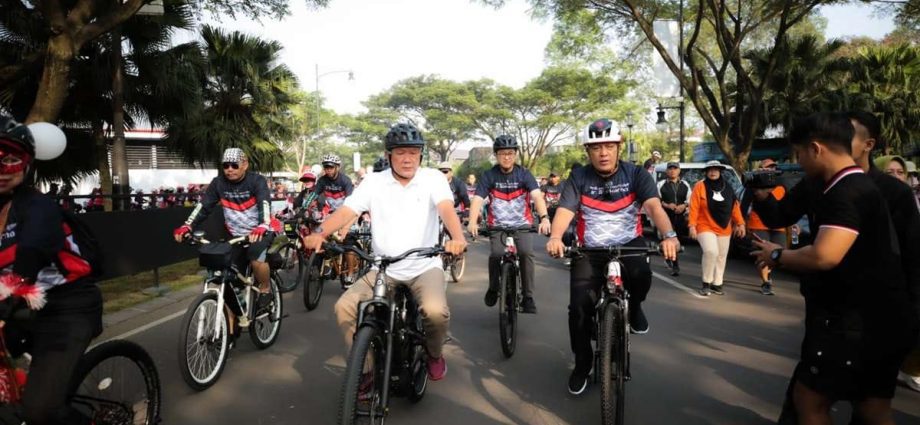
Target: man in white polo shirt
(405,202)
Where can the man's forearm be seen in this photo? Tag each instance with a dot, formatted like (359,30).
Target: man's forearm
(659,217)
(475,209)
(337,220)
(561,222)
(540,203)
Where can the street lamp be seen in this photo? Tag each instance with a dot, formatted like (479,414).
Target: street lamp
(631,145)
(351,77)
(662,124)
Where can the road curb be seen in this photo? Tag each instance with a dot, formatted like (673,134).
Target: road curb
(169,299)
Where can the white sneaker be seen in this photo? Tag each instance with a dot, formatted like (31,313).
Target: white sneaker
(912,382)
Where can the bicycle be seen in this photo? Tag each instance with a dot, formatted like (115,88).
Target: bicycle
(455,264)
(289,256)
(226,306)
(611,354)
(317,267)
(391,335)
(114,383)
(509,286)
(359,236)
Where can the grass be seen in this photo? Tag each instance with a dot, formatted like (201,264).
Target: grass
(126,291)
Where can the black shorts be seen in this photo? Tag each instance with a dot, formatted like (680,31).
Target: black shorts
(842,366)
(254,252)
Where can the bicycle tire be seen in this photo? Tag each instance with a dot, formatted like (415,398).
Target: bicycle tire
(368,341)
(291,262)
(419,363)
(93,385)
(457,267)
(611,343)
(507,311)
(313,282)
(201,380)
(264,331)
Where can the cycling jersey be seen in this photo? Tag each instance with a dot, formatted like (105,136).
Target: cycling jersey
(461,198)
(245,204)
(334,190)
(552,192)
(607,208)
(41,246)
(509,195)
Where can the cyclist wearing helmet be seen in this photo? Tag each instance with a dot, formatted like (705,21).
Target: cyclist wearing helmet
(406,204)
(457,187)
(334,185)
(244,197)
(381,164)
(510,189)
(40,263)
(607,196)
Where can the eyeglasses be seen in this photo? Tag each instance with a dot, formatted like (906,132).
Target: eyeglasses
(233,165)
(510,153)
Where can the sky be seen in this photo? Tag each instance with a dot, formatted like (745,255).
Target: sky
(384,41)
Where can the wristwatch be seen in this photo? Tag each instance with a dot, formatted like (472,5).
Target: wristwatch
(543,216)
(670,234)
(776,255)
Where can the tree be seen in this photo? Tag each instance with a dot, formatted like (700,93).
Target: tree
(715,78)
(247,98)
(69,25)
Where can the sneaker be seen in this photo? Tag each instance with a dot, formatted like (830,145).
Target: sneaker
(437,368)
(528,306)
(638,324)
(675,271)
(366,387)
(491,298)
(567,262)
(706,289)
(912,382)
(766,288)
(578,381)
(717,289)
(265,302)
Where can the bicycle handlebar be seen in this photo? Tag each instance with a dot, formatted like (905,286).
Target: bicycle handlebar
(192,239)
(382,260)
(511,230)
(617,251)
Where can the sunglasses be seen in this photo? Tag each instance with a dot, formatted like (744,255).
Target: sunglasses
(445,171)
(328,167)
(233,165)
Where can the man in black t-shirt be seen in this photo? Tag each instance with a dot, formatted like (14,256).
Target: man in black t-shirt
(551,191)
(606,197)
(675,198)
(859,322)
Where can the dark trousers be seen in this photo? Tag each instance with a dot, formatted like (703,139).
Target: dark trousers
(588,274)
(524,243)
(58,337)
(679,224)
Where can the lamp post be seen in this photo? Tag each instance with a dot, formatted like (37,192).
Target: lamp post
(632,144)
(662,123)
(351,77)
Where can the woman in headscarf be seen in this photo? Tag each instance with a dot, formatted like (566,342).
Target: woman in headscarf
(714,214)
(893,165)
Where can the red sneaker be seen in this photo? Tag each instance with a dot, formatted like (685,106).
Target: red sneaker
(437,368)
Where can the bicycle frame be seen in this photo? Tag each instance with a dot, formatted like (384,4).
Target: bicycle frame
(225,283)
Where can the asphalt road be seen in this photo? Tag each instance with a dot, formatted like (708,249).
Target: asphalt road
(717,360)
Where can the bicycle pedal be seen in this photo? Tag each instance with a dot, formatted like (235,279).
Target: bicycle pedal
(244,322)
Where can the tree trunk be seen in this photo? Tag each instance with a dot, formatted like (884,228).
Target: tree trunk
(53,87)
(120,181)
(102,158)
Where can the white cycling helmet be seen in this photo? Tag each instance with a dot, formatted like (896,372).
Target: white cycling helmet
(602,131)
(331,159)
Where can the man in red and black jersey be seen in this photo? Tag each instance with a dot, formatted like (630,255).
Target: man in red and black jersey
(510,189)
(334,186)
(606,196)
(551,191)
(859,321)
(244,197)
(41,263)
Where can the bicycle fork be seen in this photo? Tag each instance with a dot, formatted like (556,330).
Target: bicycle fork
(511,254)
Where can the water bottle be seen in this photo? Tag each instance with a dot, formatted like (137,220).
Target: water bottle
(795,237)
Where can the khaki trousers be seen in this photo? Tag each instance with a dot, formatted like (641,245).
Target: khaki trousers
(715,254)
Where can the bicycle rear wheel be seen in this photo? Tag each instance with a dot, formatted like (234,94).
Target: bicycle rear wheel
(612,345)
(117,383)
(507,310)
(292,268)
(313,282)
(359,405)
(203,349)
(266,326)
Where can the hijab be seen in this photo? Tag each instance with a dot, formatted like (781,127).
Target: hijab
(720,199)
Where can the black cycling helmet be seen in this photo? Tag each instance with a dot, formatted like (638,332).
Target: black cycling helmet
(505,142)
(404,135)
(16,135)
(381,164)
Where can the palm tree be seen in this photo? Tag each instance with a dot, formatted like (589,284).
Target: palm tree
(247,94)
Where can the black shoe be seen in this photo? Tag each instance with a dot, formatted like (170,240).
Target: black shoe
(528,306)
(638,324)
(706,289)
(766,288)
(717,289)
(264,302)
(491,298)
(578,381)
(675,271)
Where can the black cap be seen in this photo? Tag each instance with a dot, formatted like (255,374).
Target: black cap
(673,165)
(552,174)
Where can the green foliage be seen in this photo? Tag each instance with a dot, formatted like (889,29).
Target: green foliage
(255,9)
(476,169)
(560,162)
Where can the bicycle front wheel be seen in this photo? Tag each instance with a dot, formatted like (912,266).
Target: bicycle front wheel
(313,282)
(266,325)
(507,308)
(457,267)
(117,383)
(612,345)
(291,267)
(361,398)
(203,342)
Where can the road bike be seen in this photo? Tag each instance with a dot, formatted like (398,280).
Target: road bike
(509,286)
(114,383)
(225,308)
(389,342)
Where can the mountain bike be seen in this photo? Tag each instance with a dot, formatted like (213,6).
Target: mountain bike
(114,383)
(391,337)
(226,307)
(455,264)
(509,286)
(611,354)
(360,237)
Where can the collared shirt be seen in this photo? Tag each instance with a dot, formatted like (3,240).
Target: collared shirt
(405,217)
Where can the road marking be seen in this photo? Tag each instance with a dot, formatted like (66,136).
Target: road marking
(150,325)
(677,285)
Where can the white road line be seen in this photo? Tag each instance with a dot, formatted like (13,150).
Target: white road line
(150,325)
(677,285)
